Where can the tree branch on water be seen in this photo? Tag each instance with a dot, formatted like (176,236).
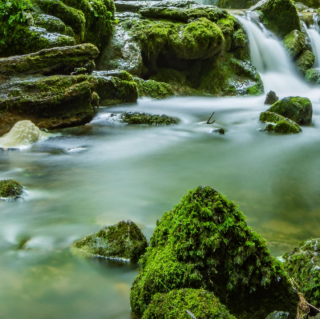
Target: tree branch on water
(208,122)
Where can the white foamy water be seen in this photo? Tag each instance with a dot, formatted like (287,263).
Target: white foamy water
(22,135)
(314,35)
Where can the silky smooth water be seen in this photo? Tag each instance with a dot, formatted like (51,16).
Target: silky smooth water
(81,179)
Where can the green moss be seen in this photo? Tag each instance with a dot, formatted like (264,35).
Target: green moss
(310,3)
(236,4)
(204,242)
(281,124)
(298,109)
(10,188)
(173,305)
(50,23)
(294,42)
(123,240)
(150,119)
(153,89)
(313,76)
(280,17)
(305,61)
(303,265)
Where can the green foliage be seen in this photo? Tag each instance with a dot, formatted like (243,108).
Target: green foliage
(174,305)
(204,242)
(10,188)
(303,265)
(12,13)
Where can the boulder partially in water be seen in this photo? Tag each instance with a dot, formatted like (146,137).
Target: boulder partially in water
(294,42)
(154,89)
(236,4)
(204,242)
(186,303)
(279,124)
(313,76)
(121,241)
(10,189)
(303,265)
(271,98)
(150,119)
(305,61)
(298,109)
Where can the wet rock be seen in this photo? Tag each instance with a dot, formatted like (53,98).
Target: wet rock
(294,43)
(303,265)
(10,189)
(122,241)
(50,23)
(279,315)
(305,61)
(61,60)
(219,130)
(183,305)
(298,109)
(154,89)
(271,98)
(313,76)
(204,241)
(150,119)
(62,101)
(279,124)
(279,16)
(236,4)
(310,3)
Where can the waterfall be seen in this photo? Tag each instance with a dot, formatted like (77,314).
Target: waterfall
(271,60)
(314,35)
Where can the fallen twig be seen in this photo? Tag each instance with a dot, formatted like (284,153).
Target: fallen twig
(191,314)
(208,122)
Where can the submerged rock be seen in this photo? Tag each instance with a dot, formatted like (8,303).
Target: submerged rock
(10,189)
(62,101)
(271,98)
(204,242)
(298,109)
(145,118)
(123,241)
(303,265)
(186,303)
(154,89)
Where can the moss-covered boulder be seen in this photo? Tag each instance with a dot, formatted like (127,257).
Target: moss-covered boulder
(186,303)
(271,98)
(62,101)
(153,89)
(61,60)
(236,4)
(278,123)
(298,109)
(150,119)
(303,265)
(313,76)
(305,61)
(10,189)
(310,3)
(122,241)
(204,242)
(280,16)
(50,23)
(278,315)
(294,42)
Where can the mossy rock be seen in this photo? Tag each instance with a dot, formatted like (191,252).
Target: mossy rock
(150,119)
(10,189)
(313,76)
(278,315)
(204,242)
(50,23)
(185,303)
(305,61)
(303,265)
(271,98)
(122,241)
(154,89)
(59,60)
(236,4)
(294,42)
(280,124)
(298,109)
(280,16)
(310,3)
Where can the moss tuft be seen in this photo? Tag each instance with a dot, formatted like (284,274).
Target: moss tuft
(153,89)
(10,188)
(150,119)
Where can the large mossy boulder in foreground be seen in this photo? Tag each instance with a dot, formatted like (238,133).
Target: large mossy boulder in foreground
(303,265)
(280,16)
(279,124)
(205,242)
(10,189)
(298,109)
(150,119)
(123,241)
(62,101)
(185,303)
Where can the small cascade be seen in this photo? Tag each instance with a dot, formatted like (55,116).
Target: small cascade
(271,60)
(314,35)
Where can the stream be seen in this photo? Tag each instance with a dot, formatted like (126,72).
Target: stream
(78,180)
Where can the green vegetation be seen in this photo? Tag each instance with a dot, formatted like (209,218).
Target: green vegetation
(153,89)
(303,265)
(236,4)
(294,42)
(174,305)
(123,240)
(313,76)
(204,242)
(10,188)
(145,118)
(305,61)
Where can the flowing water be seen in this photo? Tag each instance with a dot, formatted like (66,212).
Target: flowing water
(314,35)
(81,179)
